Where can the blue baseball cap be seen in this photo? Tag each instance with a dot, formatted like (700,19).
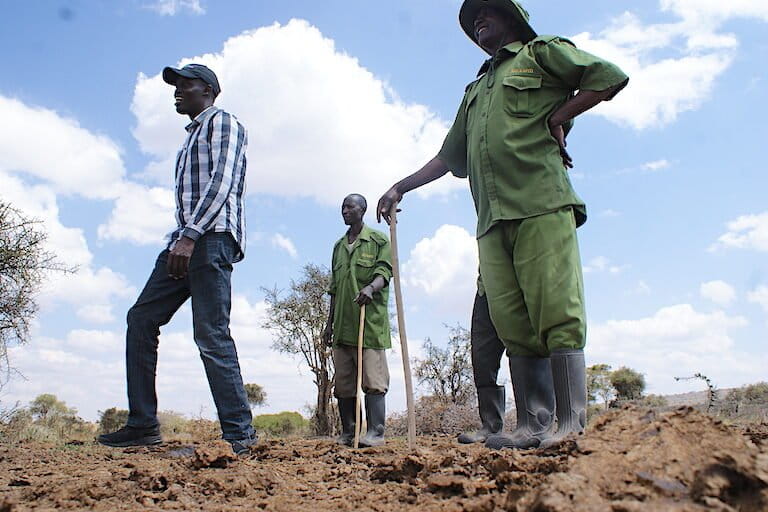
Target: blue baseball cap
(170,75)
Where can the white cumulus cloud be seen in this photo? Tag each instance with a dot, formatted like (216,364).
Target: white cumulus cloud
(677,341)
(746,232)
(759,296)
(141,215)
(286,244)
(41,143)
(442,270)
(317,117)
(718,292)
(686,55)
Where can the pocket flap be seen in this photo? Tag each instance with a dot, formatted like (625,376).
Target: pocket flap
(523,82)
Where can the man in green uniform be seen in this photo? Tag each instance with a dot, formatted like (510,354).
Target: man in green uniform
(509,140)
(361,270)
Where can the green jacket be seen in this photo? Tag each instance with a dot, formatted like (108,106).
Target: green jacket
(371,256)
(501,140)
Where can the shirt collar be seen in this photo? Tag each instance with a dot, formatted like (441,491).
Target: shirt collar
(200,118)
(512,47)
(365,234)
(504,52)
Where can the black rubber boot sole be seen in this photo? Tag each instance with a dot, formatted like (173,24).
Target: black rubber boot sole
(150,440)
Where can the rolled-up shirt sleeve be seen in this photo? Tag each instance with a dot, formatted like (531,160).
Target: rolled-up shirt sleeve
(332,282)
(227,146)
(579,69)
(383,266)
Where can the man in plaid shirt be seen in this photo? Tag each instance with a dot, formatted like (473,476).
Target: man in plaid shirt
(209,237)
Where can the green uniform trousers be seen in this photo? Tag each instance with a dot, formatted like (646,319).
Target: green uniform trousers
(532,274)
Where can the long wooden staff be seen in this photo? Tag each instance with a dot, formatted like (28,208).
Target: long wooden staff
(358,389)
(401,328)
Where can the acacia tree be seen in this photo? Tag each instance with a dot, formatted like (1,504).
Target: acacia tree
(24,265)
(447,371)
(628,383)
(47,406)
(599,383)
(297,321)
(255,394)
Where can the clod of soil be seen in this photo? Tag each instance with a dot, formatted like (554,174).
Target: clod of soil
(630,460)
(216,455)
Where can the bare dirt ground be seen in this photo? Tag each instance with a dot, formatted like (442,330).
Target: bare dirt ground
(630,460)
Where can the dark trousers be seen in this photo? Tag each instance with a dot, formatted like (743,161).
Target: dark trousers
(208,282)
(487,348)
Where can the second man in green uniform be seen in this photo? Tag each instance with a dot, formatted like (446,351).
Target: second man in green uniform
(361,270)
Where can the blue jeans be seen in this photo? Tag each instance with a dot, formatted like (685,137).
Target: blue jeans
(208,282)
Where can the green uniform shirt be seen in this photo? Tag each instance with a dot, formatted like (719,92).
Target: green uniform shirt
(501,140)
(371,256)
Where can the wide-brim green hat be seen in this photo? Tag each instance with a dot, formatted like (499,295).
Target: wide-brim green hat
(470,8)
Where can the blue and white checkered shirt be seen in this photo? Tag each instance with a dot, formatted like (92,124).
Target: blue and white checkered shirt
(210,178)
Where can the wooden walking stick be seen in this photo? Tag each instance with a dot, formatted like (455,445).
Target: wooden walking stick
(401,329)
(358,389)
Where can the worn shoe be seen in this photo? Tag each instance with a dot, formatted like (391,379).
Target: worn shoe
(243,446)
(490,402)
(130,436)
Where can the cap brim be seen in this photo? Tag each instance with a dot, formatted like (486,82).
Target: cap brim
(170,75)
(470,8)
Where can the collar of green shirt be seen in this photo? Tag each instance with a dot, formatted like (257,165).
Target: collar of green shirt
(503,53)
(365,234)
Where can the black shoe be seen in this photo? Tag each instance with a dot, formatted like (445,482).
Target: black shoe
(243,446)
(130,436)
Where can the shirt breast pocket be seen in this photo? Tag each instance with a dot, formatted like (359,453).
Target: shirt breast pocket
(520,94)
(364,269)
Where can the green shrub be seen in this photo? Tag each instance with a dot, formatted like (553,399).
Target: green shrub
(47,420)
(281,424)
(112,419)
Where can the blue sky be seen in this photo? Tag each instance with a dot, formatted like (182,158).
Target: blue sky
(343,97)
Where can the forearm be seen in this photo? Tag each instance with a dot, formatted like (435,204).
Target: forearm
(378,284)
(579,104)
(434,169)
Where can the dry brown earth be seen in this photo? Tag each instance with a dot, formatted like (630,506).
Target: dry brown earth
(631,460)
